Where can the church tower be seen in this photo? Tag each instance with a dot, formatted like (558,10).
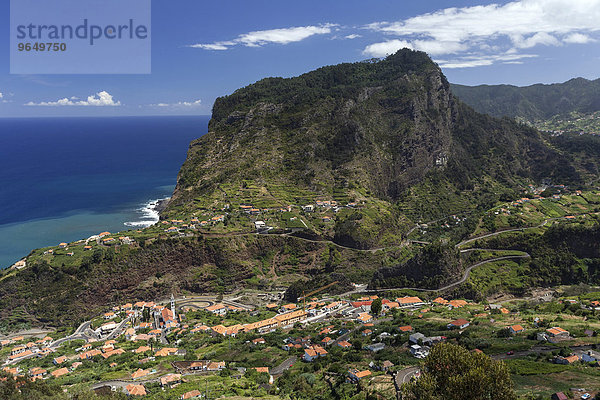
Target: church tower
(173,307)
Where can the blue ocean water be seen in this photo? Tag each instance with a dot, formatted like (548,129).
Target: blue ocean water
(63,179)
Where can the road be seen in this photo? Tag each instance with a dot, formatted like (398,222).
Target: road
(503,231)
(81,333)
(404,376)
(119,329)
(454,284)
(287,364)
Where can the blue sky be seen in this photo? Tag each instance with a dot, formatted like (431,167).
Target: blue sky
(203,49)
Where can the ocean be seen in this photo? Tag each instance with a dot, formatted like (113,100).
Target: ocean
(64,179)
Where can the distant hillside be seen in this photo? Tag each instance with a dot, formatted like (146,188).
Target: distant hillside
(535,102)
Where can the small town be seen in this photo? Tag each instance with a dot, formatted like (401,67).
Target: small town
(189,347)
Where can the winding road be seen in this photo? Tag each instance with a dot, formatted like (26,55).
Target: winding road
(454,284)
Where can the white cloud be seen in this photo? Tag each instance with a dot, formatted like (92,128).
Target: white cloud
(431,47)
(471,61)
(100,99)
(213,46)
(492,29)
(578,38)
(352,36)
(383,49)
(534,40)
(277,36)
(1,95)
(195,103)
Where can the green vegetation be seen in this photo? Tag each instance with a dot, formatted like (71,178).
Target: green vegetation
(451,372)
(532,103)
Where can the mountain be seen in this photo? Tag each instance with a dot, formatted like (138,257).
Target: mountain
(386,140)
(368,131)
(535,102)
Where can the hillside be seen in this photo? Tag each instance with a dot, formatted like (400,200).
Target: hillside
(375,133)
(535,102)
(372,148)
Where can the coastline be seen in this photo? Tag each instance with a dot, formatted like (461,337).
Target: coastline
(162,204)
(150,213)
(82,224)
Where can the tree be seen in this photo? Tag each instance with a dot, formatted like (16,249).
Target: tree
(376,306)
(451,372)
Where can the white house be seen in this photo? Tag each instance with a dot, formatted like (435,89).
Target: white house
(260,225)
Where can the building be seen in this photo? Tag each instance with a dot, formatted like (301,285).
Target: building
(59,372)
(440,301)
(215,366)
(310,355)
(59,360)
(287,307)
(217,309)
(416,337)
(170,380)
(590,356)
(557,332)
(457,303)
(419,351)
(365,318)
(260,225)
(140,373)
(135,390)
(285,320)
(566,360)
(409,301)
(109,326)
(387,364)
(375,347)
(514,329)
(355,375)
(194,394)
(458,324)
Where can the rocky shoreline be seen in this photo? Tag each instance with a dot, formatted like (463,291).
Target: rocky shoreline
(161,205)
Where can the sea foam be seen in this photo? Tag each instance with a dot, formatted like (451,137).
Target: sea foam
(150,215)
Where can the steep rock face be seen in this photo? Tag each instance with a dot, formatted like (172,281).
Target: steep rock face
(379,125)
(384,126)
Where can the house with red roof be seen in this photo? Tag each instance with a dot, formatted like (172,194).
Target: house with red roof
(458,324)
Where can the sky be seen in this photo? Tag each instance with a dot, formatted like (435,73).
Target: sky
(205,49)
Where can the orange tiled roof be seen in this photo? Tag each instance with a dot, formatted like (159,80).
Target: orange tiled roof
(457,303)
(135,390)
(362,374)
(408,300)
(59,372)
(556,330)
(140,373)
(517,328)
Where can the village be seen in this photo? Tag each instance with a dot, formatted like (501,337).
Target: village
(190,346)
(214,345)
